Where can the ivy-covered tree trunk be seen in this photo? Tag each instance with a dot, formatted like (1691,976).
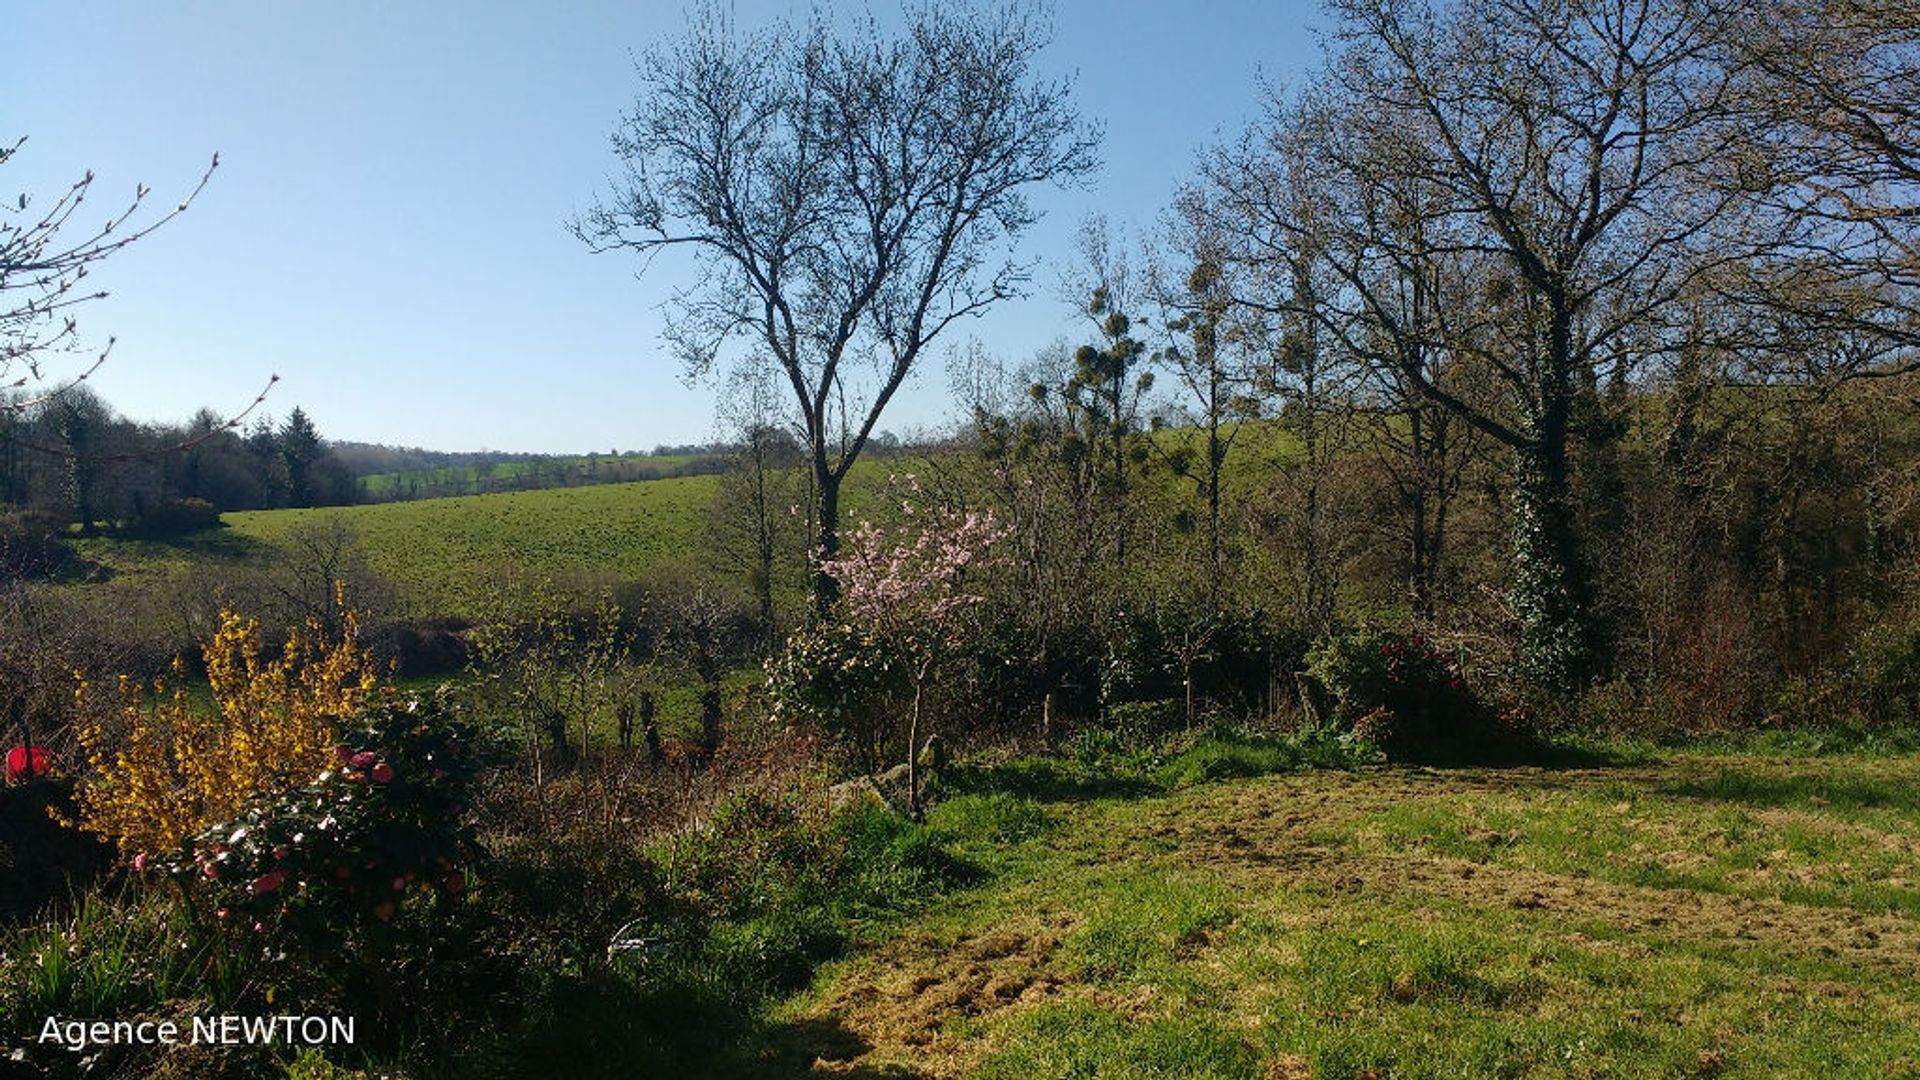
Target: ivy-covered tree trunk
(1552,593)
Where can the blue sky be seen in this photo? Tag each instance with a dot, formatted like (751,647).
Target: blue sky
(386,228)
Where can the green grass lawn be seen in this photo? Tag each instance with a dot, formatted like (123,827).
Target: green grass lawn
(1691,916)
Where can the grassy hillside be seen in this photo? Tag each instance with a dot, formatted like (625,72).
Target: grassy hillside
(444,555)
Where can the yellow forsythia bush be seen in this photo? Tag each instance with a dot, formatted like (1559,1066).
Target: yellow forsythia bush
(173,766)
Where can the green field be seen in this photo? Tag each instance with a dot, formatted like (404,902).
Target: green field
(416,483)
(446,556)
(449,556)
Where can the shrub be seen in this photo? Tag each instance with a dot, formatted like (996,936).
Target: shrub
(1399,693)
(836,677)
(1229,654)
(42,861)
(1143,722)
(31,545)
(1883,674)
(173,767)
(385,826)
(174,517)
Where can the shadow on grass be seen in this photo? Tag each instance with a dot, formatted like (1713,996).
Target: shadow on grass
(1047,780)
(217,543)
(1233,755)
(792,1049)
(1521,752)
(1750,787)
(605,1026)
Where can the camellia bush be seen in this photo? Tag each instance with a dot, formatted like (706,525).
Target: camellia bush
(1399,693)
(836,677)
(385,826)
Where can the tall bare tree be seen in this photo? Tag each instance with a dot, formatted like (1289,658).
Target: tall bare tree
(1557,165)
(848,196)
(755,513)
(1208,356)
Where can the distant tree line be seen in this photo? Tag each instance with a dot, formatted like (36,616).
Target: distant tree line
(70,459)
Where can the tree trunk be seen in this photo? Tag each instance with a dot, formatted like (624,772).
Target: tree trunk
(827,533)
(766,546)
(1551,593)
(913,750)
(1216,459)
(1420,584)
(650,729)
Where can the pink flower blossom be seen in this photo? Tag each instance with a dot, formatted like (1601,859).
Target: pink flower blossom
(382,773)
(362,759)
(269,881)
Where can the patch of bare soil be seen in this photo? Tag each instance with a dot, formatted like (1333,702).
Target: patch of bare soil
(906,995)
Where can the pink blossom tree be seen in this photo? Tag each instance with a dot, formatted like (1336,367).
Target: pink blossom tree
(909,586)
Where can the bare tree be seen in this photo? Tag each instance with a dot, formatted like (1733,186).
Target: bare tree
(1834,85)
(45,259)
(848,199)
(755,509)
(1213,365)
(1340,246)
(43,267)
(1558,167)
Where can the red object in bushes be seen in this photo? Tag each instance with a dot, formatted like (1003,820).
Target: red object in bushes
(25,763)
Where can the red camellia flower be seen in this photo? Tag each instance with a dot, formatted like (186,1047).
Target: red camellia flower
(343,753)
(382,773)
(269,881)
(140,863)
(362,759)
(25,763)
